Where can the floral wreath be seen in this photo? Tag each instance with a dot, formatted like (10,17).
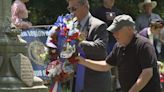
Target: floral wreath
(63,39)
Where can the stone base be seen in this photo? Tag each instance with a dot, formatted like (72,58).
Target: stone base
(13,84)
(26,89)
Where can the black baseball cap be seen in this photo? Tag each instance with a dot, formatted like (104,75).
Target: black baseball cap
(121,21)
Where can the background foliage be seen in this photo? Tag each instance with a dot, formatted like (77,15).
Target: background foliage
(46,11)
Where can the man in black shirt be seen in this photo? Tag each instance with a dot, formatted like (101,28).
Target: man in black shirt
(133,55)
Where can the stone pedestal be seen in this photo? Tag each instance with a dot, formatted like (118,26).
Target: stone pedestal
(16,72)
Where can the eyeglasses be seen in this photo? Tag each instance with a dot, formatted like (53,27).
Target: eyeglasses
(72,9)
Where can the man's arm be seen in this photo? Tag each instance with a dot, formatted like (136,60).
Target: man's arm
(97,66)
(142,80)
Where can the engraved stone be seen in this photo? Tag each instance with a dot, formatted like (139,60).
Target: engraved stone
(16,73)
(23,68)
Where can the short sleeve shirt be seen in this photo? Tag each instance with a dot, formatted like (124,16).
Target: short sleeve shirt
(130,60)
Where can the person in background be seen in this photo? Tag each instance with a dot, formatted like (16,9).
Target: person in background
(134,56)
(107,12)
(95,37)
(153,34)
(19,14)
(162,45)
(143,20)
(161,57)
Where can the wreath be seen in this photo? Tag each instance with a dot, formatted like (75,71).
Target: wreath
(62,42)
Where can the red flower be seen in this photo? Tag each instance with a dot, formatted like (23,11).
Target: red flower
(72,60)
(64,31)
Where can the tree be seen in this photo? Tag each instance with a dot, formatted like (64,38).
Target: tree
(47,11)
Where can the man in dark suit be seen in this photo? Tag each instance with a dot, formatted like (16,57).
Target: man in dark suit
(95,37)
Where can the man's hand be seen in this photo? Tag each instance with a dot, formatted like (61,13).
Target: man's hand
(80,59)
(94,65)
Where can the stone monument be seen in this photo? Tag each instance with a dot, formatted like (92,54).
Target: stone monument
(16,73)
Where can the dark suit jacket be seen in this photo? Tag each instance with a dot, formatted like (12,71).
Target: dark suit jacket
(95,48)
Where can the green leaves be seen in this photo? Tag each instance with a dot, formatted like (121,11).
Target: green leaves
(46,11)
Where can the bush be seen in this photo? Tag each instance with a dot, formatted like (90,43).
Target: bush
(47,11)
